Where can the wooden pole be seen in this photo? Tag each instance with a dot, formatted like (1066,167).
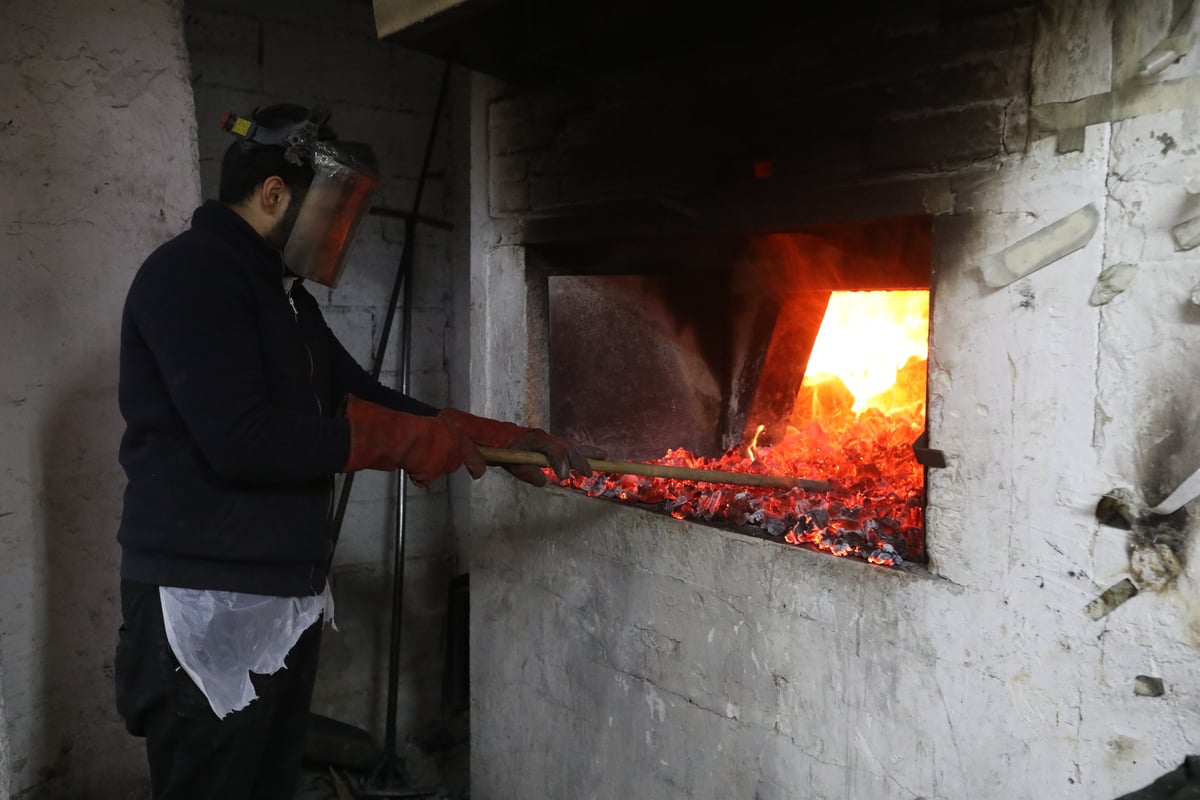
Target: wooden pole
(500,456)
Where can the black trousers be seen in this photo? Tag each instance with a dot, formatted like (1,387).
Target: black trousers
(253,754)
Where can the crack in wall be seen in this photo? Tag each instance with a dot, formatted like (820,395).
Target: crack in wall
(657,687)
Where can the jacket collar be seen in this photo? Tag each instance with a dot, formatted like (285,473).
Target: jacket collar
(222,221)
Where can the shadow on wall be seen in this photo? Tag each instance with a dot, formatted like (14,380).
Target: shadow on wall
(1168,433)
(78,508)
(352,682)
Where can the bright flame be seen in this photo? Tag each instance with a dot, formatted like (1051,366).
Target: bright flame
(754,442)
(865,339)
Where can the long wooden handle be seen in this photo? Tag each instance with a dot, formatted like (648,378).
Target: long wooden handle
(500,456)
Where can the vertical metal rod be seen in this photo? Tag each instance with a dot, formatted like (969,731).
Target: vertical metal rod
(410,230)
(403,278)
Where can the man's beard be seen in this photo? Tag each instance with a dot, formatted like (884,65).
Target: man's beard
(278,235)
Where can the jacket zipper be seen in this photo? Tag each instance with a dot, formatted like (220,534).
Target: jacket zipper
(312,369)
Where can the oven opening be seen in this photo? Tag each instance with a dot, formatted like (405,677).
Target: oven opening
(800,354)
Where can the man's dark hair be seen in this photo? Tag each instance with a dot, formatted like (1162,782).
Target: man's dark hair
(246,164)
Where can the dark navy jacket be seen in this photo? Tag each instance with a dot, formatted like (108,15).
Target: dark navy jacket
(230,391)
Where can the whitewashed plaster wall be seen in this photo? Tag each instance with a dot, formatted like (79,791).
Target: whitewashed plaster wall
(621,654)
(5,790)
(98,166)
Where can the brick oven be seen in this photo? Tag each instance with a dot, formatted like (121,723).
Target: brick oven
(1034,169)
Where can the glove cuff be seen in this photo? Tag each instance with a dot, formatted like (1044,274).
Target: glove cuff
(367,423)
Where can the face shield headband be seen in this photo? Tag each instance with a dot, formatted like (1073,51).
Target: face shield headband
(296,138)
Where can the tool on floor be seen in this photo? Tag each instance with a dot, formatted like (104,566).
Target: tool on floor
(500,456)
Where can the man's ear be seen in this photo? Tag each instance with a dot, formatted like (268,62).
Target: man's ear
(273,195)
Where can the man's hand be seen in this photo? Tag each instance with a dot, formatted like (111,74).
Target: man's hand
(426,447)
(563,457)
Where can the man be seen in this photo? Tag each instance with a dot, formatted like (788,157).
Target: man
(241,407)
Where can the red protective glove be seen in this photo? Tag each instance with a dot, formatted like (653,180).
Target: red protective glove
(562,456)
(426,447)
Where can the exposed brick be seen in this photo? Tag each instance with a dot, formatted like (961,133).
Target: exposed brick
(510,197)
(509,168)
(529,134)
(939,140)
(370,271)
(429,386)
(1016,126)
(342,16)
(355,329)
(562,99)
(398,137)
(429,339)
(372,486)
(292,62)
(965,39)
(356,653)
(369,525)
(948,86)
(433,284)
(224,49)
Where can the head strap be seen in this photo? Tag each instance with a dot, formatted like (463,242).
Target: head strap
(298,138)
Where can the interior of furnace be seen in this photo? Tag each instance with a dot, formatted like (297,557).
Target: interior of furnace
(798,353)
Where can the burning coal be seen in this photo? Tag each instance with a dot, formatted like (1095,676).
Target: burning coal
(860,408)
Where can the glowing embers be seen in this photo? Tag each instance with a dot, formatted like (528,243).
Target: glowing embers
(860,407)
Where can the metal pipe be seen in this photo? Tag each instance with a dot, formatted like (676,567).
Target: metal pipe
(388,778)
(410,229)
(395,213)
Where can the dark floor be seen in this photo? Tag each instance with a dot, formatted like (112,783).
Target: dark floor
(437,762)
(327,783)
(439,765)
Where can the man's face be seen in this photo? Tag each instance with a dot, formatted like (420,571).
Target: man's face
(278,235)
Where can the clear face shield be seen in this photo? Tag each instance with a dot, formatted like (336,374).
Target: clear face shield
(345,179)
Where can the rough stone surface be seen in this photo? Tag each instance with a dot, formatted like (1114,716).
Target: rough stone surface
(622,654)
(99,167)
(245,55)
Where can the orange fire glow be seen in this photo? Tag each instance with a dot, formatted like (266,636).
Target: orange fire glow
(866,338)
(860,408)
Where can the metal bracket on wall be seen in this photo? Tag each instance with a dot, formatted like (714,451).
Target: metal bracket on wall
(927,456)
(395,213)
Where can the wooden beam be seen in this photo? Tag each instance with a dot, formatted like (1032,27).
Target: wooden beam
(392,16)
